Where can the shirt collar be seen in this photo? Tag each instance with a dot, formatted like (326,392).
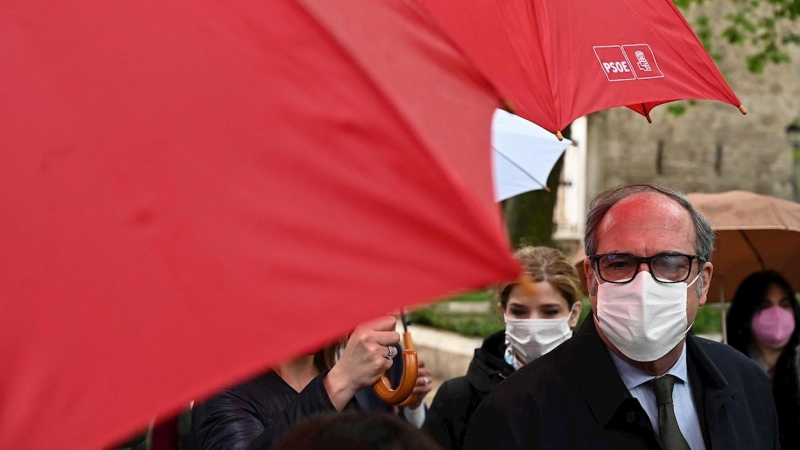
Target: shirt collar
(634,376)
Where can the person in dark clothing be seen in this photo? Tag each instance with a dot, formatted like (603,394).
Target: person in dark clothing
(171,433)
(356,431)
(538,318)
(256,414)
(573,398)
(764,324)
(631,378)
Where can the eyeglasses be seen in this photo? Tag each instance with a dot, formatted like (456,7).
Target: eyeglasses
(664,267)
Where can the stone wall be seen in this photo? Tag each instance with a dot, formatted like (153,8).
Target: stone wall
(712,147)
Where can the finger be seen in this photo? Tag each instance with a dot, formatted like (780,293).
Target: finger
(388,363)
(385,323)
(386,337)
(423,381)
(422,373)
(420,363)
(421,390)
(379,369)
(390,352)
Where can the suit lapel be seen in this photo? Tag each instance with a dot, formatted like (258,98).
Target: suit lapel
(597,378)
(699,399)
(716,391)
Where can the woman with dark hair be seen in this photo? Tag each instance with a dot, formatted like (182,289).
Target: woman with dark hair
(538,318)
(764,324)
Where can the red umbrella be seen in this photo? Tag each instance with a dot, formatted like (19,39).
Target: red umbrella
(555,61)
(192,191)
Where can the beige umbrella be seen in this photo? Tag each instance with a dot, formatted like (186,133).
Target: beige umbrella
(754,232)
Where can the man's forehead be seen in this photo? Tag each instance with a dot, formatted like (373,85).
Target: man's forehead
(645,224)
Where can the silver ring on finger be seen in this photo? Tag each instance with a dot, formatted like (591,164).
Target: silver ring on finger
(426,381)
(391,352)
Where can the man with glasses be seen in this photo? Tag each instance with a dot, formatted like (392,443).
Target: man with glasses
(631,378)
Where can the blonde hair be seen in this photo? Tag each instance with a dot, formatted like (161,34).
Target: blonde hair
(546,264)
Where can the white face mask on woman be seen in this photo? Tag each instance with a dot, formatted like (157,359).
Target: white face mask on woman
(532,338)
(644,319)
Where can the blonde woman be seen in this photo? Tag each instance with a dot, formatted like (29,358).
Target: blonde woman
(538,318)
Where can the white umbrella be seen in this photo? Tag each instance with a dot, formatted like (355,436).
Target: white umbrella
(524,154)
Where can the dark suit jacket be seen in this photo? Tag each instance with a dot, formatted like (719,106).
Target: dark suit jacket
(573,398)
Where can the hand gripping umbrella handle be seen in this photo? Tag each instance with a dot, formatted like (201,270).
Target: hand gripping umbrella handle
(402,394)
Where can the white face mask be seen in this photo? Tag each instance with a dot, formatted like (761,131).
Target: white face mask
(644,319)
(532,338)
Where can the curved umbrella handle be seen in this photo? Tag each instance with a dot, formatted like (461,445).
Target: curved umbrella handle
(413,398)
(383,388)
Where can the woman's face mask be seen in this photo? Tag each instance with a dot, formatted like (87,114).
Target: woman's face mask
(532,338)
(773,326)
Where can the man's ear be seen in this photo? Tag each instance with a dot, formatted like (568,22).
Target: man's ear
(588,273)
(708,270)
(502,313)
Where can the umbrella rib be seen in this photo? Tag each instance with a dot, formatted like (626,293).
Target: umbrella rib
(646,113)
(753,249)
(520,168)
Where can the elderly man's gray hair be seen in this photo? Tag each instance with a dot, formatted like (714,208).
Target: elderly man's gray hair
(704,242)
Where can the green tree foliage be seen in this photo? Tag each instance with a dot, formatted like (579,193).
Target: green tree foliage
(769,26)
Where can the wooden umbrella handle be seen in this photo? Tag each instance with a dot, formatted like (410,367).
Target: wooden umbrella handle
(413,398)
(401,395)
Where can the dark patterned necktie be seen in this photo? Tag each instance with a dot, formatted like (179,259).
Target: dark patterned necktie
(671,435)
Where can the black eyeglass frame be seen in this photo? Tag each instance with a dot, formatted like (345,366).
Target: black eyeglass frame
(649,260)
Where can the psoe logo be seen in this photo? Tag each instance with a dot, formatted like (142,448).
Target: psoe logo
(627,62)
(641,61)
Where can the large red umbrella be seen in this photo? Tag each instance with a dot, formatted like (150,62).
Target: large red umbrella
(555,61)
(192,191)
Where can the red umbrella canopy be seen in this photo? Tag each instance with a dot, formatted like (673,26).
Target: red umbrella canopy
(193,191)
(555,61)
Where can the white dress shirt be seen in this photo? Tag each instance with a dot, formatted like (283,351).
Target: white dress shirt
(635,380)
(415,417)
